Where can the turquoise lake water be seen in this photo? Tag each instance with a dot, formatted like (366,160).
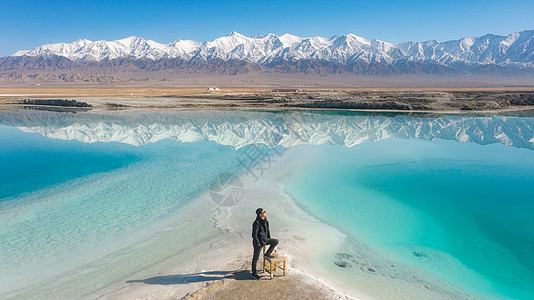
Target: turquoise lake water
(63,202)
(451,196)
(460,211)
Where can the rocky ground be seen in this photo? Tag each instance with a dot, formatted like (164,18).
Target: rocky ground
(380,100)
(425,101)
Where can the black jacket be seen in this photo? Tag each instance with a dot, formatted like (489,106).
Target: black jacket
(260,231)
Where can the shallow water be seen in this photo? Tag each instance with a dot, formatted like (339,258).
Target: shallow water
(65,203)
(449,195)
(461,211)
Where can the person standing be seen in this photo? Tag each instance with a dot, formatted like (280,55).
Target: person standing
(261,236)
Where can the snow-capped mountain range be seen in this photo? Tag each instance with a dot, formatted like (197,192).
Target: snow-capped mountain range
(515,49)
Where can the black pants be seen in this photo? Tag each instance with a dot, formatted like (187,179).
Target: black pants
(257,249)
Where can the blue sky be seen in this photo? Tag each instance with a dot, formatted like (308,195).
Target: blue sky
(26,24)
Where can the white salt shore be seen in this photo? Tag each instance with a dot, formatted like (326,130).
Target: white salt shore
(205,250)
(310,245)
(229,249)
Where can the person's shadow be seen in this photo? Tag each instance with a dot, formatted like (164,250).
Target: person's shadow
(195,277)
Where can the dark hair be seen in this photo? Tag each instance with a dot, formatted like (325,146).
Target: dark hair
(258,211)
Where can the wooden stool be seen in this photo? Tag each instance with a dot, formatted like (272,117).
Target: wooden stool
(270,264)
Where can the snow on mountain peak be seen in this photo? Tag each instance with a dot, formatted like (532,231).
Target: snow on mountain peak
(129,41)
(235,33)
(21,53)
(289,39)
(516,48)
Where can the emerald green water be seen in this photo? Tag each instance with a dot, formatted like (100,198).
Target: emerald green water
(460,211)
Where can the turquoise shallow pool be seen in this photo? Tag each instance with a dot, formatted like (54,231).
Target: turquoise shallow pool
(451,196)
(66,203)
(461,211)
